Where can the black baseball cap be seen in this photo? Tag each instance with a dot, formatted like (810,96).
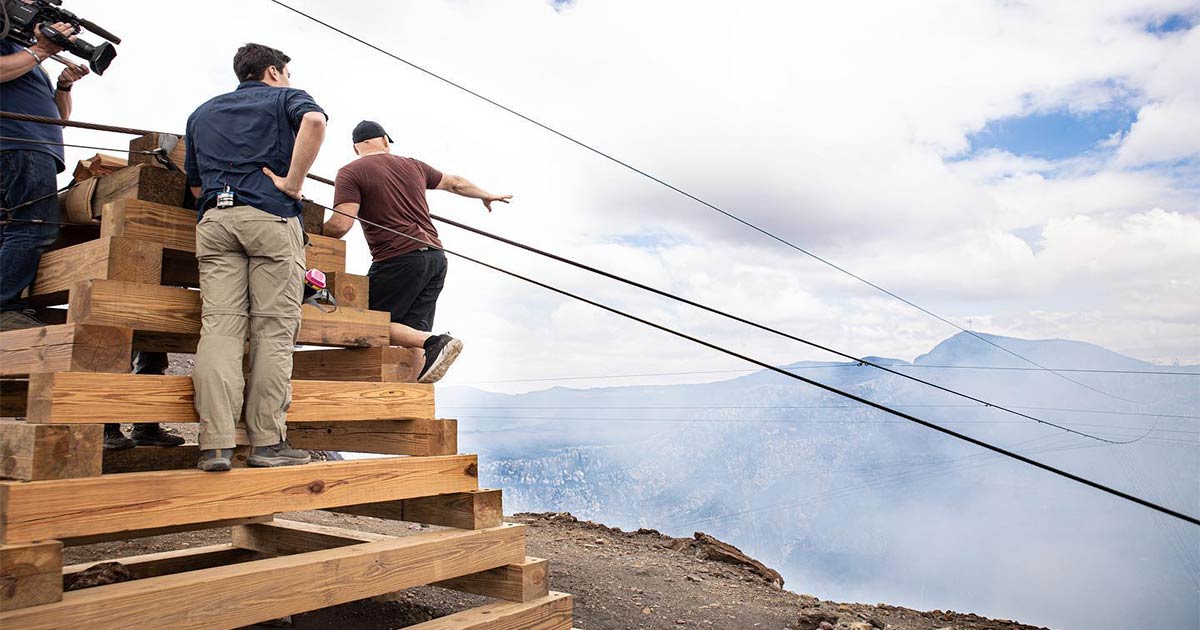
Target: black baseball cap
(368,129)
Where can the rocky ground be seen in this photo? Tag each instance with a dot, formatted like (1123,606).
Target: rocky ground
(620,580)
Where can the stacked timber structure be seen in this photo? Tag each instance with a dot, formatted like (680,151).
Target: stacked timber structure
(127,280)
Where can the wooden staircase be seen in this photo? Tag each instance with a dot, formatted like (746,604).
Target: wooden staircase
(127,282)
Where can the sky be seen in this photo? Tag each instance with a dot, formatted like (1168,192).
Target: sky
(1024,169)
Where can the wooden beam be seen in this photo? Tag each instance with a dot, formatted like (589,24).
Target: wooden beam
(349,289)
(381,363)
(552,612)
(284,538)
(74,347)
(14,395)
(79,397)
(151,142)
(477,509)
(175,229)
(519,582)
(49,451)
(174,310)
(146,532)
(420,437)
(141,182)
(115,258)
(246,593)
(171,562)
(147,458)
(36,510)
(30,574)
(312,216)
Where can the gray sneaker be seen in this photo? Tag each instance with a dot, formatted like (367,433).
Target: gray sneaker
(215,460)
(281,454)
(16,320)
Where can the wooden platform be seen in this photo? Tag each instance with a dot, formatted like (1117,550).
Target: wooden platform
(128,286)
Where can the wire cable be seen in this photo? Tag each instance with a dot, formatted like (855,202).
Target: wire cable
(711,206)
(829,388)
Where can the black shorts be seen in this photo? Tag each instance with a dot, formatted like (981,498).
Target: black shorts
(408,286)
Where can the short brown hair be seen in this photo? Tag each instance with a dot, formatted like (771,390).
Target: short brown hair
(252,61)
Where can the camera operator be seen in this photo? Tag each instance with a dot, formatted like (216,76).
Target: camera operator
(29,164)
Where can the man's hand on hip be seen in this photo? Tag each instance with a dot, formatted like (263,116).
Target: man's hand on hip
(282,184)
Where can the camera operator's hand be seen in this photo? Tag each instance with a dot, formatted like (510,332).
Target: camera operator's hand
(70,75)
(44,47)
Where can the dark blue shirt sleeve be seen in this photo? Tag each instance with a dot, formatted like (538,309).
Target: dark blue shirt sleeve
(189,157)
(298,104)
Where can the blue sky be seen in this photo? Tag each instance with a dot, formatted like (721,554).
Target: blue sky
(1053,135)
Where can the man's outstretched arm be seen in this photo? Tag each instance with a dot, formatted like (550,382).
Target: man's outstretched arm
(460,186)
(339,224)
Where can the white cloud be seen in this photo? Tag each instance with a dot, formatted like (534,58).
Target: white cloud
(841,127)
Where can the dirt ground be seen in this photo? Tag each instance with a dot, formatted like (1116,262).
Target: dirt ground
(620,580)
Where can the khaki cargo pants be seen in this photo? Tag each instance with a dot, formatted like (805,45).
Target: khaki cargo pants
(251,282)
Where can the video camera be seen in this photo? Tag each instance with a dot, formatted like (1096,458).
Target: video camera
(21,17)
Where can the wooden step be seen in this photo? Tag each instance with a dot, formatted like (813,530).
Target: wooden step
(381,363)
(82,397)
(50,451)
(241,594)
(74,347)
(478,509)
(57,509)
(171,316)
(552,612)
(175,229)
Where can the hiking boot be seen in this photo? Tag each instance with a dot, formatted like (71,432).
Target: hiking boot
(440,353)
(215,460)
(151,434)
(281,454)
(114,440)
(18,319)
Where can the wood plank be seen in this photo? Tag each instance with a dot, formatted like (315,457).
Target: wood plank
(147,458)
(381,363)
(477,509)
(30,574)
(14,394)
(146,532)
(145,307)
(75,347)
(242,594)
(140,182)
(418,437)
(552,612)
(519,582)
(115,258)
(284,537)
(49,451)
(35,510)
(151,142)
(312,216)
(171,562)
(79,397)
(175,229)
(349,289)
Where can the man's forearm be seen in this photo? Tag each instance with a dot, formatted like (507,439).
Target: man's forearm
(308,144)
(63,100)
(15,65)
(465,188)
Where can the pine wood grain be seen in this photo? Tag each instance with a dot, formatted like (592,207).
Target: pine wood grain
(38,510)
(419,437)
(30,574)
(552,612)
(31,451)
(242,594)
(78,397)
(77,347)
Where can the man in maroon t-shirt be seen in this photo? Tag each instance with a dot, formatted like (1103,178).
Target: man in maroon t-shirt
(408,268)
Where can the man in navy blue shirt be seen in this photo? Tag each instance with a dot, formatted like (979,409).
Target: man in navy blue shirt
(248,153)
(29,162)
